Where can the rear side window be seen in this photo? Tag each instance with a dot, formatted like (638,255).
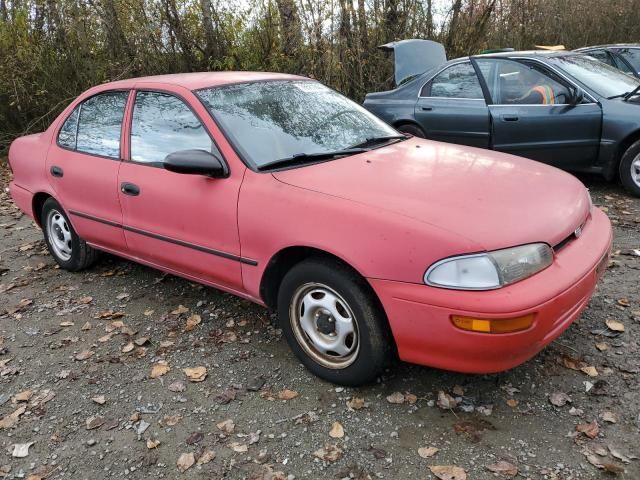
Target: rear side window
(69,131)
(163,124)
(457,81)
(100,124)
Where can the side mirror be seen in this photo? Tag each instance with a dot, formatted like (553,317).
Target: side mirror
(577,96)
(196,162)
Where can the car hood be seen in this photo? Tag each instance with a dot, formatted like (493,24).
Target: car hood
(492,199)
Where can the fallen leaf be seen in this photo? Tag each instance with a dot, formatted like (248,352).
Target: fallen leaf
(512,402)
(159,369)
(614,325)
(128,347)
(238,447)
(84,300)
(356,403)
(23,396)
(396,398)
(609,417)
(100,400)
(106,338)
(94,422)
(171,420)
(86,326)
(206,457)
(226,426)
(192,322)
(195,437)
(504,469)
(590,370)
(337,430)
(287,394)
(21,450)
(602,346)
(427,452)
(122,296)
(329,453)
(180,310)
(591,430)
(84,355)
(186,461)
(195,374)
(559,399)
(151,444)
(624,302)
(9,421)
(448,472)
(148,313)
(67,324)
(446,401)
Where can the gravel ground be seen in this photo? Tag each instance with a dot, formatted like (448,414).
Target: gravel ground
(92,376)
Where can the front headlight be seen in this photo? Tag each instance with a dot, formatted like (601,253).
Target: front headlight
(487,271)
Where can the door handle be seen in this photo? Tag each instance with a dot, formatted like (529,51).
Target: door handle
(510,118)
(56,171)
(427,109)
(130,189)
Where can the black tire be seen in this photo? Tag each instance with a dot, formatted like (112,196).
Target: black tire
(80,255)
(373,338)
(412,129)
(631,160)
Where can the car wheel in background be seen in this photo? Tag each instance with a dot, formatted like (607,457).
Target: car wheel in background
(630,169)
(333,322)
(412,129)
(68,250)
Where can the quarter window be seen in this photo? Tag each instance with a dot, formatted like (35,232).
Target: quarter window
(514,83)
(457,81)
(100,124)
(69,131)
(163,124)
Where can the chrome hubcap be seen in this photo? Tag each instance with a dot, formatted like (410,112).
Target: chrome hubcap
(635,170)
(324,325)
(59,235)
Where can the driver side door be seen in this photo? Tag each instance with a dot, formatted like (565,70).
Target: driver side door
(545,127)
(183,223)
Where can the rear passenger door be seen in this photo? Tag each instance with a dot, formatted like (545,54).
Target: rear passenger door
(452,108)
(82,165)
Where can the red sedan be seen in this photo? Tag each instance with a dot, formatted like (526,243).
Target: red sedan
(367,243)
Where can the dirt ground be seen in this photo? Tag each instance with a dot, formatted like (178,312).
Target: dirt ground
(92,374)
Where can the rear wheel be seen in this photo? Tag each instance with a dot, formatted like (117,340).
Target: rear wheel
(68,250)
(630,169)
(333,322)
(412,129)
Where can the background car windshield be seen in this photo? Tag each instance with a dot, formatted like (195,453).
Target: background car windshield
(267,121)
(632,55)
(599,77)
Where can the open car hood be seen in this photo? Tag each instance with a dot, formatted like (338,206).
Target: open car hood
(414,56)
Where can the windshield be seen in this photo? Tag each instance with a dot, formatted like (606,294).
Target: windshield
(603,79)
(268,121)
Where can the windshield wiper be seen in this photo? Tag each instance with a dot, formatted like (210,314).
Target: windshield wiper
(371,141)
(300,158)
(626,95)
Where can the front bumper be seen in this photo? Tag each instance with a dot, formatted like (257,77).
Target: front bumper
(420,316)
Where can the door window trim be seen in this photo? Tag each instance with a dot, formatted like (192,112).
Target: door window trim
(180,97)
(78,107)
(467,60)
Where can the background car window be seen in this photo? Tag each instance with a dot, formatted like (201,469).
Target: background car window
(515,83)
(623,66)
(457,81)
(69,130)
(164,124)
(100,124)
(631,55)
(601,55)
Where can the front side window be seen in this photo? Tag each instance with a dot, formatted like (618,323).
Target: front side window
(272,120)
(457,81)
(514,83)
(69,131)
(631,55)
(163,124)
(100,124)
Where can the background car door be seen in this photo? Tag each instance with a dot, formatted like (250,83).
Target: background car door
(83,168)
(187,223)
(540,126)
(451,107)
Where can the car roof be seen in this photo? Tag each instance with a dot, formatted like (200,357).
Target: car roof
(196,80)
(610,45)
(527,53)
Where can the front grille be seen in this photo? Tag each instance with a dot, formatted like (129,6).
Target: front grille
(565,241)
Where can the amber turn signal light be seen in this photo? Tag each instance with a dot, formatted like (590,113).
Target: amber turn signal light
(493,325)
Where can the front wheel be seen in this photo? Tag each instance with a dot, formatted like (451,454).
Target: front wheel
(630,169)
(68,250)
(412,129)
(333,322)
